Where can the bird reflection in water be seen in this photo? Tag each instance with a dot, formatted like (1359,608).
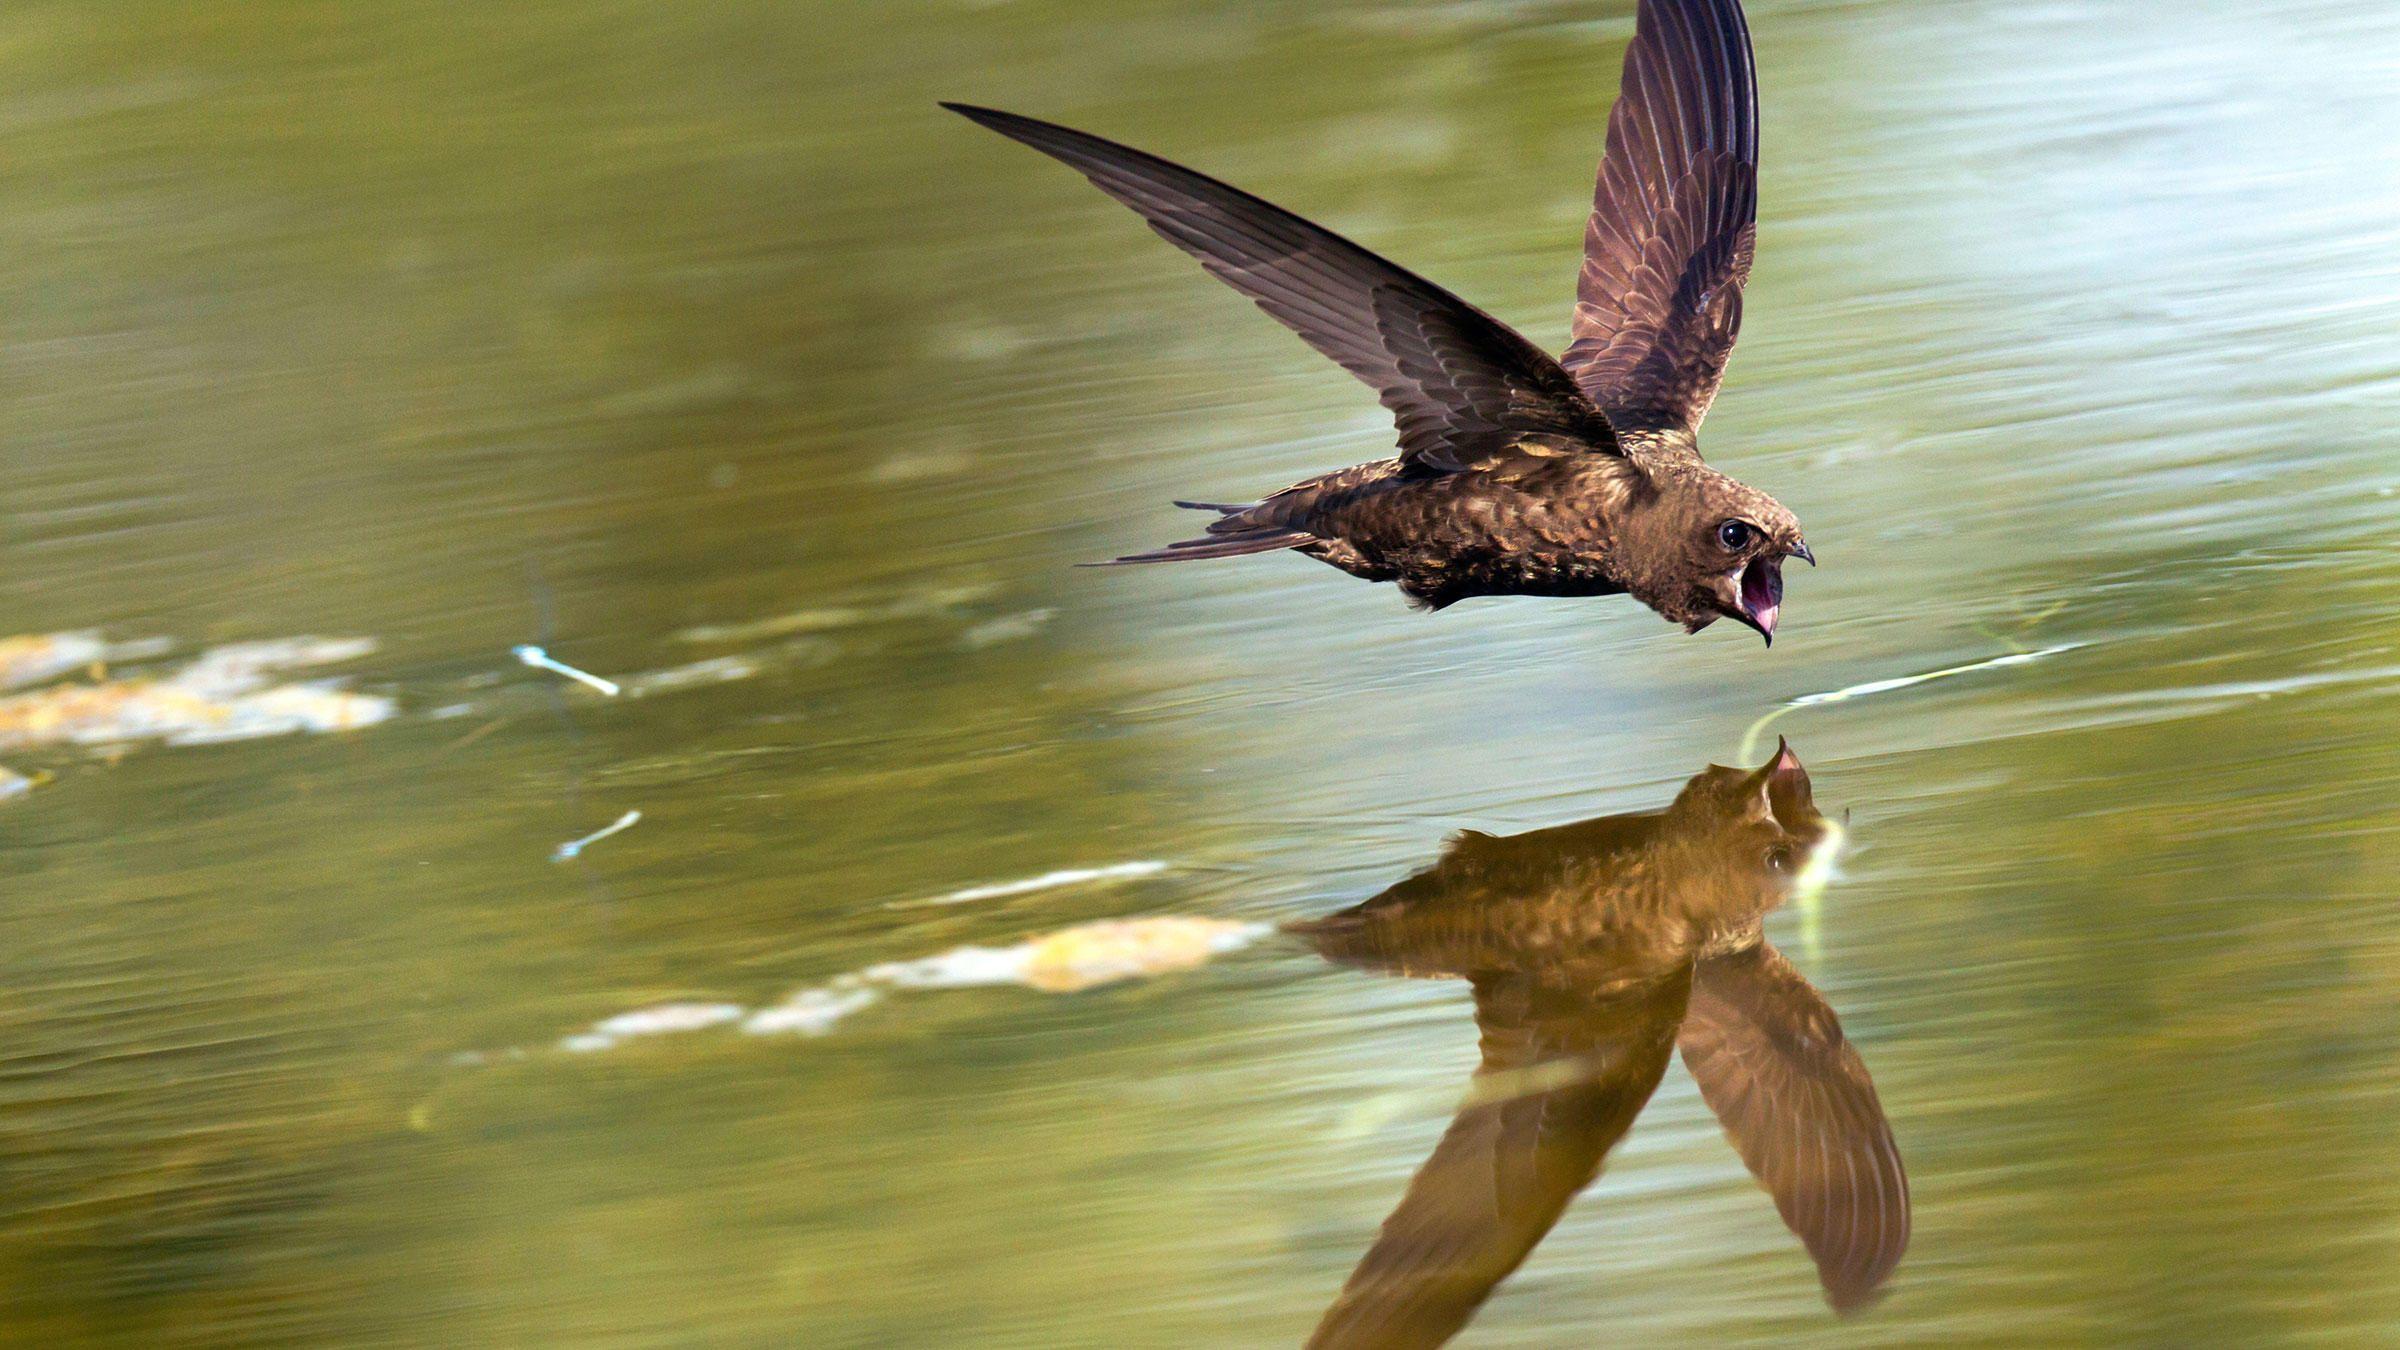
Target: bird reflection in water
(1596,949)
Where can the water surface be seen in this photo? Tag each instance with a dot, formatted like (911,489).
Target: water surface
(2074,326)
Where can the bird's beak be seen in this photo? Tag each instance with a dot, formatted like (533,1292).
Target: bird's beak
(1800,551)
(1784,765)
(1783,782)
(1754,595)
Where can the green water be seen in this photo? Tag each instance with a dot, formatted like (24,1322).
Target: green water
(463,326)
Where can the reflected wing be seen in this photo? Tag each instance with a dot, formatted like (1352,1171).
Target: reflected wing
(1796,1101)
(1563,1076)
(1659,300)
(1462,385)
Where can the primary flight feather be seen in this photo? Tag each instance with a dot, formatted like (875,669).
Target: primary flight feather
(1519,474)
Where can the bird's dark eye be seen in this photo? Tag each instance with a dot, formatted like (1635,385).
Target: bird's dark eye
(1734,535)
(1779,859)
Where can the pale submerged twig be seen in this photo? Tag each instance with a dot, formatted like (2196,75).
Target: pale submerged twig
(1844,694)
(573,847)
(542,660)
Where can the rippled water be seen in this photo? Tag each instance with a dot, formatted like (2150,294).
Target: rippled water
(2075,330)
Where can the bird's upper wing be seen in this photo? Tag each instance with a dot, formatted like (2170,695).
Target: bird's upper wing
(1659,299)
(1564,1074)
(1463,386)
(1796,1101)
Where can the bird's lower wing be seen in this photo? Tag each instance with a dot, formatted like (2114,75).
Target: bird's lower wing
(1797,1103)
(1563,1077)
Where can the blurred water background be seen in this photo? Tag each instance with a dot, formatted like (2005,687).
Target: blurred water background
(593,324)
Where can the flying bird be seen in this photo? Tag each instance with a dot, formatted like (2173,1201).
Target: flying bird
(1595,951)
(1519,474)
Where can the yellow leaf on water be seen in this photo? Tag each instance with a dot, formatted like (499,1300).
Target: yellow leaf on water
(1124,949)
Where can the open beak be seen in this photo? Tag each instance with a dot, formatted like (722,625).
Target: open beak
(1756,595)
(1785,783)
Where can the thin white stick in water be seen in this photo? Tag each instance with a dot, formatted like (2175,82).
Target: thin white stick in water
(1751,738)
(1065,876)
(1904,681)
(541,660)
(575,846)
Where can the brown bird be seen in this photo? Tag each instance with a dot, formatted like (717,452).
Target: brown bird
(1592,949)
(1518,474)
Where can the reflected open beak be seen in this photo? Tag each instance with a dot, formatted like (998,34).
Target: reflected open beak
(1785,782)
(1784,765)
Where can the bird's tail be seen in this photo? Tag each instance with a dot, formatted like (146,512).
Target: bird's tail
(1230,537)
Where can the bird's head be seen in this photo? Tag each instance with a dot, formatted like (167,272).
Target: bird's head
(1705,547)
(1774,803)
(1741,839)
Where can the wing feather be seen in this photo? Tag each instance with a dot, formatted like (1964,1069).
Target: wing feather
(1564,1074)
(1461,386)
(1797,1103)
(1658,302)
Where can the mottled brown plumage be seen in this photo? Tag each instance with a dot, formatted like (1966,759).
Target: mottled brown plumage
(1592,949)
(1518,474)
